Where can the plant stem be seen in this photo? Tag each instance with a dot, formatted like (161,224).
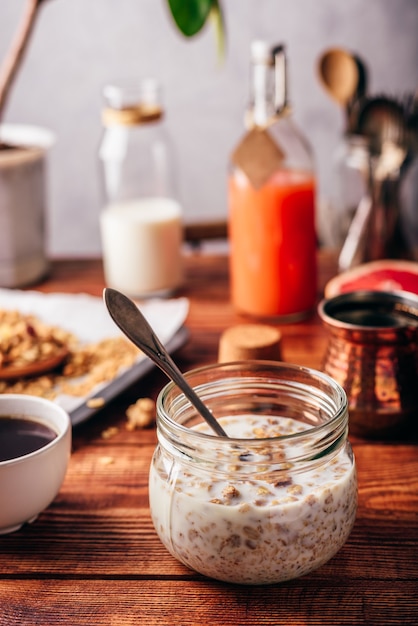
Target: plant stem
(217,18)
(17,49)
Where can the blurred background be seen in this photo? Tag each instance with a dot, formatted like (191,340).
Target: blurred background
(79,46)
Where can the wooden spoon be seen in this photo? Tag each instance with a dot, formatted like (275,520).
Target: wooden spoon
(36,368)
(339,73)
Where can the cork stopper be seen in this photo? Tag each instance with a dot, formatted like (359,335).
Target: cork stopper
(131,116)
(246,342)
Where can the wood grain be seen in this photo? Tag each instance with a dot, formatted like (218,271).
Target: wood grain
(93,557)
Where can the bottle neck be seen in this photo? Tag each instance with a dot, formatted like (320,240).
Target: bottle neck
(132,104)
(268,94)
(261,108)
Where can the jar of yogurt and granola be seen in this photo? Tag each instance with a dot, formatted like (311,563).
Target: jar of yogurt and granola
(276,498)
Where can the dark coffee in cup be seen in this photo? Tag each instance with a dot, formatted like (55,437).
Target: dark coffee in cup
(22,435)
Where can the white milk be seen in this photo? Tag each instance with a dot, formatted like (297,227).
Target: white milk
(141,243)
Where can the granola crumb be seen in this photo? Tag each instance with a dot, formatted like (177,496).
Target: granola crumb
(107,460)
(95,403)
(110,432)
(230,492)
(295,489)
(141,414)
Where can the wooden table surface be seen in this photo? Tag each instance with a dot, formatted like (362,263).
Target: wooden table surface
(93,557)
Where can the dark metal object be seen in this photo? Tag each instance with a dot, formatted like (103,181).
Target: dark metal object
(373,353)
(133,324)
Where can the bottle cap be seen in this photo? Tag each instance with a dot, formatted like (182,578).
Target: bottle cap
(261,52)
(246,342)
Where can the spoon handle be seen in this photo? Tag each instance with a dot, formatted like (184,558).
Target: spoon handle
(133,324)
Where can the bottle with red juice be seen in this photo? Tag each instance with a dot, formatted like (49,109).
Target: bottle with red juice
(271,198)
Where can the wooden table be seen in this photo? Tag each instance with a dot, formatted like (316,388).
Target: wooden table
(93,557)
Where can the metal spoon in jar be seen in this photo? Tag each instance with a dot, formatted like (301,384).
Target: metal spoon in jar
(133,324)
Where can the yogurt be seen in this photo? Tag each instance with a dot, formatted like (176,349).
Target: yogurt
(257,527)
(141,242)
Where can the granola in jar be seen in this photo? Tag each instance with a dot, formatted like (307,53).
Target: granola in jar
(271,503)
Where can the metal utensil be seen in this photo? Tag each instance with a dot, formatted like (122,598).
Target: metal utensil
(352,251)
(133,324)
(381,119)
(375,230)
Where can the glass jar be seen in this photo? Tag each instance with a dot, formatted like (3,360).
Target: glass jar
(274,500)
(141,224)
(271,198)
(351,167)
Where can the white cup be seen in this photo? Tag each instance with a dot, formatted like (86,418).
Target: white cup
(29,483)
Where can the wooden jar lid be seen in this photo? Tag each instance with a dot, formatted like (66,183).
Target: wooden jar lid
(246,342)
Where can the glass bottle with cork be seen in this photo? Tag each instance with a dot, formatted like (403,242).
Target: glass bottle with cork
(141,224)
(271,194)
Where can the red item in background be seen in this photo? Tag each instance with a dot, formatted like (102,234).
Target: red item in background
(385,275)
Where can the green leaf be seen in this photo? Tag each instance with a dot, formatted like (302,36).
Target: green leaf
(190,15)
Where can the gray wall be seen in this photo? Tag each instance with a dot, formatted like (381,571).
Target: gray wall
(79,45)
